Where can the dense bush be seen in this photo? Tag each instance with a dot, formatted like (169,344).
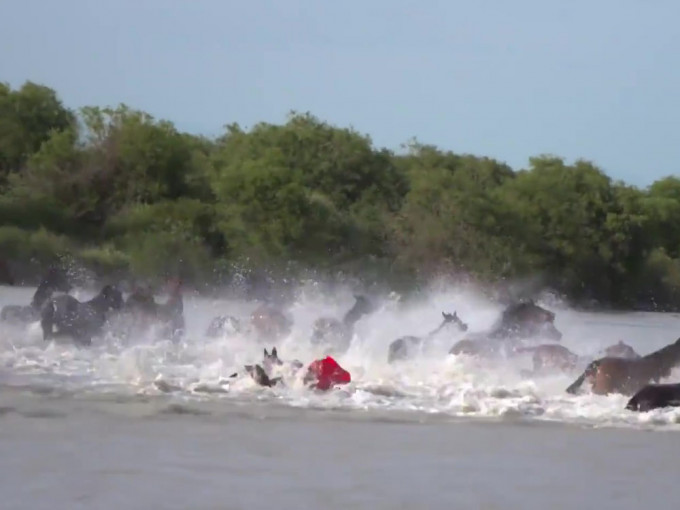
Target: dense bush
(124,193)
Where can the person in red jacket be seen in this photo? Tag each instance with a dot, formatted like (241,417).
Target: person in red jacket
(325,373)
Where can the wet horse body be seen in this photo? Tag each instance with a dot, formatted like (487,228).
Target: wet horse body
(55,280)
(66,316)
(519,322)
(270,323)
(626,375)
(145,311)
(558,357)
(655,396)
(551,357)
(337,335)
(404,347)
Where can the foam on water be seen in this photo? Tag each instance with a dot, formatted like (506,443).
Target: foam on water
(433,382)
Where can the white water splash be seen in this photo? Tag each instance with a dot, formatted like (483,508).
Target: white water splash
(433,382)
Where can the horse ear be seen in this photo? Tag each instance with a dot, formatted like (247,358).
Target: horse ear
(266,354)
(274,353)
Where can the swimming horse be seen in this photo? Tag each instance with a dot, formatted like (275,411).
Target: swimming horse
(558,357)
(64,315)
(655,396)
(55,280)
(627,376)
(142,306)
(335,334)
(402,348)
(521,321)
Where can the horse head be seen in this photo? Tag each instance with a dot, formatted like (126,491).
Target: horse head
(453,317)
(112,298)
(223,324)
(271,359)
(621,350)
(529,319)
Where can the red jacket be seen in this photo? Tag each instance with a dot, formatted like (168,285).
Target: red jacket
(326,373)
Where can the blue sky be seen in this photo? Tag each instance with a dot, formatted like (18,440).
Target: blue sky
(595,79)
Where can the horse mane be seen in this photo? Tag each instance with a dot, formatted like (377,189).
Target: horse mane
(667,356)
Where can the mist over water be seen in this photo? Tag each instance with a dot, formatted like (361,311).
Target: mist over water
(198,368)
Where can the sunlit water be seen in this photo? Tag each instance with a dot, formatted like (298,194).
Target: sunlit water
(123,398)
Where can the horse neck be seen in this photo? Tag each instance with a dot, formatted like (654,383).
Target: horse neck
(98,303)
(437,329)
(353,316)
(42,293)
(665,358)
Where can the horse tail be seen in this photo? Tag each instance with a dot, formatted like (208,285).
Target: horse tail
(590,370)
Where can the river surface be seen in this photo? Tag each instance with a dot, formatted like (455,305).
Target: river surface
(145,423)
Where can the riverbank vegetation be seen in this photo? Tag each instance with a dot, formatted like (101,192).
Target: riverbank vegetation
(122,193)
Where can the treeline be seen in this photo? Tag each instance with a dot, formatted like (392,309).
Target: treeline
(123,193)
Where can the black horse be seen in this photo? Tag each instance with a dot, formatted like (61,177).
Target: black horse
(520,321)
(654,396)
(55,280)
(402,348)
(66,316)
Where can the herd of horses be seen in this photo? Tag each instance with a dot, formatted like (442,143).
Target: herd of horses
(620,370)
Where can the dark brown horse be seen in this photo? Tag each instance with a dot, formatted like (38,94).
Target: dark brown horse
(55,280)
(518,322)
(335,334)
(655,396)
(627,376)
(404,347)
(142,306)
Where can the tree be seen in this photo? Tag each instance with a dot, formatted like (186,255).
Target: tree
(28,117)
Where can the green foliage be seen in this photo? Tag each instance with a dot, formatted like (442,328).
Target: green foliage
(28,117)
(123,193)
